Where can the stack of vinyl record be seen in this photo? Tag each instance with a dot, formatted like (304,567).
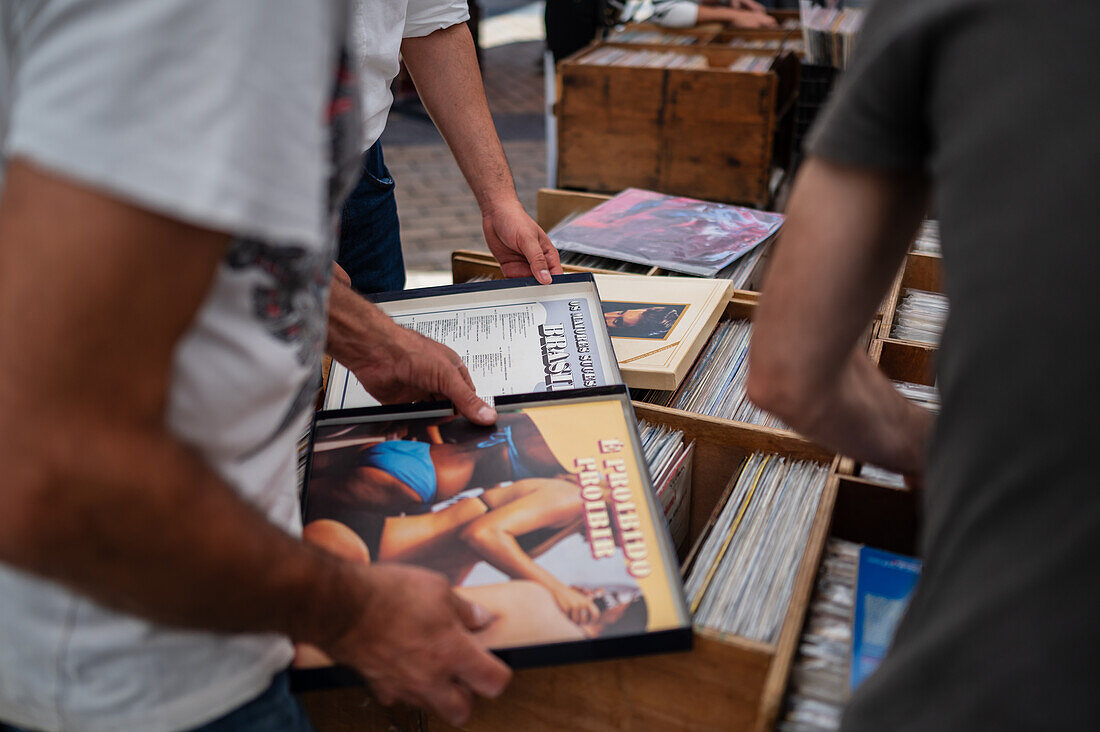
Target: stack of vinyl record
(920,317)
(922,395)
(742,576)
(677,234)
(819,676)
(612,56)
(882,476)
(829,33)
(746,272)
(715,386)
(578,259)
(669,461)
(651,37)
(861,595)
(927,240)
(753,64)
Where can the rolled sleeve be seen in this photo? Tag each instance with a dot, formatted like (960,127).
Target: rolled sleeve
(428,16)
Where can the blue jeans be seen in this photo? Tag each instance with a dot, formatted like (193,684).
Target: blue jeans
(370,235)
(275,710)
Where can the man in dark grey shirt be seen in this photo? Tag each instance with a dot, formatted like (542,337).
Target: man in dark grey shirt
(987,111)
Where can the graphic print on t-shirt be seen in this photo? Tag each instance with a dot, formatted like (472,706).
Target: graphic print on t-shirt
(290,304)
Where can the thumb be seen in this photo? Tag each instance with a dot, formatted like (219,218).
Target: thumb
(465,399)
(473,615)
(531,248)
(339,275)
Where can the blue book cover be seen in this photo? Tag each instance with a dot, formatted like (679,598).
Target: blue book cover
(884,587)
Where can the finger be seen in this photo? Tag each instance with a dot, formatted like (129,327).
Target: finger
(461,392)
(382,692)
(553,260)
(531,248)
(452,701)
(340,275)
(465,374)
(473,615)
(518,268)
(482,672)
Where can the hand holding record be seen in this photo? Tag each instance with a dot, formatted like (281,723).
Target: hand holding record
(396,364)
(413,643)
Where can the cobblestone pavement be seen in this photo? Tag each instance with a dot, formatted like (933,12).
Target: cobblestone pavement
(437,210)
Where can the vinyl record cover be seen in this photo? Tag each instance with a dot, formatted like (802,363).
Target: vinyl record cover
(658,325)
(515,336)
(679,234)
(884,586)
(547,519)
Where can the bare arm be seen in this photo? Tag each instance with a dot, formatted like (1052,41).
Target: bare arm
(444,66)
(846,232)
(99,496)
(738,18)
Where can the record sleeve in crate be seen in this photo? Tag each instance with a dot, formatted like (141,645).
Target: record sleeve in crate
(514,336)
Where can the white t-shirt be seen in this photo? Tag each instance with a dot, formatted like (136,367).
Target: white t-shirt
(378,28)
(237,116)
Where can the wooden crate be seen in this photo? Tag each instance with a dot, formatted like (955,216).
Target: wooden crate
(724,682)
(707,133)
(919,271)
(905,360)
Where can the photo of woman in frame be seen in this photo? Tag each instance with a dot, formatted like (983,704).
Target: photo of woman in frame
(651,321)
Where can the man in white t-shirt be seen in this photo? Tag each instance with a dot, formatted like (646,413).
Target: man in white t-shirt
(170,173)
(435,43)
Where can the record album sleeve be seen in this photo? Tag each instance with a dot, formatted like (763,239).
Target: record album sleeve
(514,336)
(679,234)
(547,519)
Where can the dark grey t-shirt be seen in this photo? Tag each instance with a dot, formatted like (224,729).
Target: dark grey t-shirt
(999,102)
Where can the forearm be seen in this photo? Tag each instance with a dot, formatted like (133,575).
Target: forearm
(444,67)
(357,329)
(863,415)
(397,364)
(846,233)
(136,520)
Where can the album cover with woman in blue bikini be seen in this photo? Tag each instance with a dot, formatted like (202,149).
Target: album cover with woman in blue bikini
(546,519)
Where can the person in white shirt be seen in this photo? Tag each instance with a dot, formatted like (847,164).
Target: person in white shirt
(170,175)
(435,43)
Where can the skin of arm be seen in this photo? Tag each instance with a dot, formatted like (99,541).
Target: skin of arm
(737,18)
(396,364)
(738,5)
(444,67)
(99,496)
(846,232)
(540,503)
